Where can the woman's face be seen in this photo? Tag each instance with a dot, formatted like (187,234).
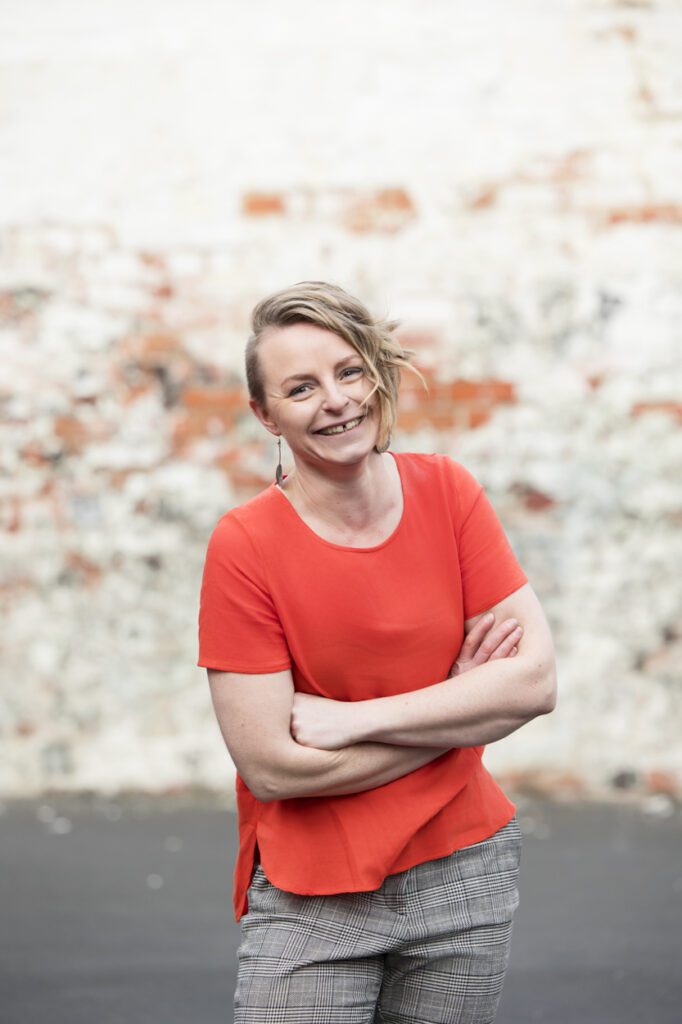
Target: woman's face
(315,380)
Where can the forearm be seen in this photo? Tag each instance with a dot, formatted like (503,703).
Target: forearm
(483,705)
(306,771)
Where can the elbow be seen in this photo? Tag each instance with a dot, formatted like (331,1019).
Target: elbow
(263,784)
(272,788)
(267,788)
(543,690)
(261,792)
(547,692)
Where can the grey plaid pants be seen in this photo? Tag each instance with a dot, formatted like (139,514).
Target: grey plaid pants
(429,946)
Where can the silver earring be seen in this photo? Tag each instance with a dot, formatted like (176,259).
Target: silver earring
(278,471)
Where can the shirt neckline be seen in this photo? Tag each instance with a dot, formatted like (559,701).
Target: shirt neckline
(348,547)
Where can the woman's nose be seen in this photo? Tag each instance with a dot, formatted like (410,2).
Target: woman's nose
(334,396)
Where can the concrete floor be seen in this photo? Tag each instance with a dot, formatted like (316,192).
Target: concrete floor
(120,912)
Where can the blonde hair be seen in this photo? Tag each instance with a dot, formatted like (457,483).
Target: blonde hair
(329,306)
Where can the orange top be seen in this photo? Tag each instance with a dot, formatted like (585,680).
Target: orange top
(352,624)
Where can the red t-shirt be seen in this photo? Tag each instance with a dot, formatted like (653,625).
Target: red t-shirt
(353,624)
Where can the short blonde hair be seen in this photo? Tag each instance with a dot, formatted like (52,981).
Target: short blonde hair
(329,306)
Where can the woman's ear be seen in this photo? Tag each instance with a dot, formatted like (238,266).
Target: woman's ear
(262,415)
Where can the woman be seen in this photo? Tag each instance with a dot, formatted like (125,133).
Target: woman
(360,621)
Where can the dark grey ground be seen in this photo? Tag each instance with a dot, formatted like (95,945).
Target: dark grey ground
(121,911)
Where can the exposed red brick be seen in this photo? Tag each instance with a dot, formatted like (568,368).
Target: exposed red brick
(152,361)
(152,259)
(645,94)
(461,390)
(150,348)
(416,418)
(411,382)
(246,481)
(117,477)
(230,458)
(163,291)
(22,303)
(214,399)
(647,213)
(227,460)
(477,417)
(12,523)
(25,728)
(385,211)
(434,415)
(570,166)
(659,781)
(626,32)
(459,404)
(74,433)
(260,204)
(207,411)
(131,393)
(533,499)
(88,572)
(537,501)
(485,198)
(7,305)
(48,488)
(564,169)
(395,199)
(34,455)
(442,419)
(419,340)
(491,391)
(670,407)
(71,432)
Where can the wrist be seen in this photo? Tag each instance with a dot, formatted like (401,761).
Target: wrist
(365,724)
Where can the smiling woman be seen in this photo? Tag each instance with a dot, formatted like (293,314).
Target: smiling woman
(366,629)
(370,345)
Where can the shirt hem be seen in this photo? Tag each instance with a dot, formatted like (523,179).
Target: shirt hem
(476,836)
(231,666)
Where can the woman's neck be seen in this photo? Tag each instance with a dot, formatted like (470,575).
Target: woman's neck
(355,498)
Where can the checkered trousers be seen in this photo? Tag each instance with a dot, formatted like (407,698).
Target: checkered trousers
(429,946)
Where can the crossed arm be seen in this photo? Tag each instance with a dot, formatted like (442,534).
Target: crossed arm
(485,703)
(286,744)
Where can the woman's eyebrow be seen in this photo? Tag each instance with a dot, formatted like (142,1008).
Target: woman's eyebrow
(306,376)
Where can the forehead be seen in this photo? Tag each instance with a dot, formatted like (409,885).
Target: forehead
(300,347)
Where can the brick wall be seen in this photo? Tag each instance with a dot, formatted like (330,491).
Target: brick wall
(512,196)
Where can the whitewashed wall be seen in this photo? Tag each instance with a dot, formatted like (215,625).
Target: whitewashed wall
(504,178)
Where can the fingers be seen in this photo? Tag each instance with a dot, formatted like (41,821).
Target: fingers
(507,646)
(475,636)
(486,642)
(499,641)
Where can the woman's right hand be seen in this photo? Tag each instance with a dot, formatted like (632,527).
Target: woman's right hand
(487,642)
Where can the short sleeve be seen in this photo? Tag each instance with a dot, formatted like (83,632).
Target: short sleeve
(239,629)
(489,568)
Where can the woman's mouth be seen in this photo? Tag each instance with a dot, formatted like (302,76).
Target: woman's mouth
(342,428)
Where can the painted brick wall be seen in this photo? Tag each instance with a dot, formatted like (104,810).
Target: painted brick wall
(503,179)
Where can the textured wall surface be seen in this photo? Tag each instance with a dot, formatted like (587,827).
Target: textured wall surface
(504,179)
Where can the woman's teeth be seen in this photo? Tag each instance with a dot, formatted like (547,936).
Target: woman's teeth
(342,428)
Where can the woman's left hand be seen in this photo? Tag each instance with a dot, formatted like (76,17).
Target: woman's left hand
(323,722)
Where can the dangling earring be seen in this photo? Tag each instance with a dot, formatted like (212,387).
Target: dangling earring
(278,471)
(384,447)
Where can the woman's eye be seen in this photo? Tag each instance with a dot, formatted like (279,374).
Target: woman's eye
(300,389)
